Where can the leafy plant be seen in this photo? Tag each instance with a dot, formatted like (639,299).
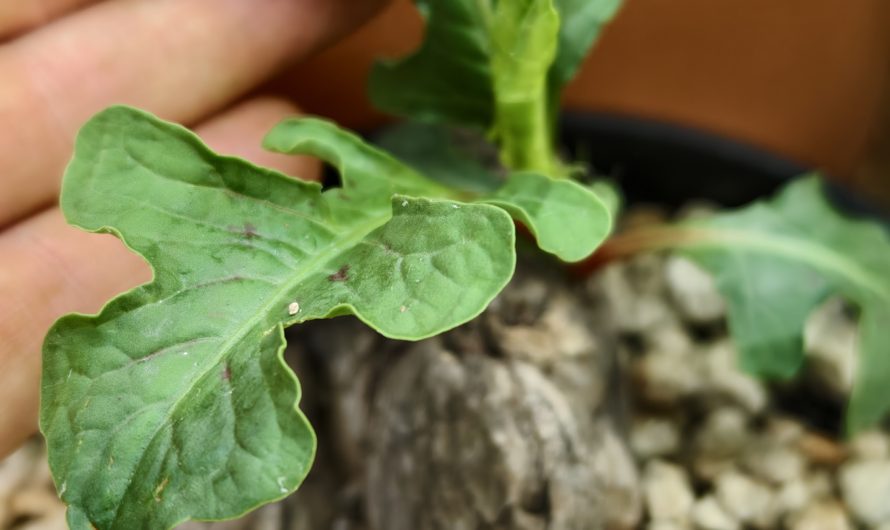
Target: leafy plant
(174,402)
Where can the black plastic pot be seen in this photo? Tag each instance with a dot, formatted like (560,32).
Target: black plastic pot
(669,164)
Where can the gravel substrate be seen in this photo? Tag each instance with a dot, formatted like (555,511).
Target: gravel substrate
(716,449)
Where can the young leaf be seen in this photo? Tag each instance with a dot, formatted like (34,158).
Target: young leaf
(174,402)
(448,79)
(776,261)
(566,218)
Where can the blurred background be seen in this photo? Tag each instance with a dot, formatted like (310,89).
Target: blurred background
(685,98)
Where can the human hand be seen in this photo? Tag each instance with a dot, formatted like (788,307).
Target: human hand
(63,60)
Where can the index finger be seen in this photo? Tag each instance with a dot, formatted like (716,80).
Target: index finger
(180,59)
(16,17)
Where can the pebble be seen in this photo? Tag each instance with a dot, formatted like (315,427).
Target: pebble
(819,484)
(693,291)
(667,491)
(722,376)
(632,308)
(745,498)
(793,496)
(870,445)
(772,463)
(654,437)
(724,433)
(666,525)
(865,486)
(667,378)
(821,516)
(669,337)
(708,514)
(830,340)
(718,442)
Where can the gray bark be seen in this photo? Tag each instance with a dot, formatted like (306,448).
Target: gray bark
(511,422)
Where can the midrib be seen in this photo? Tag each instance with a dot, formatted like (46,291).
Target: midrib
(787,247)
(278,297)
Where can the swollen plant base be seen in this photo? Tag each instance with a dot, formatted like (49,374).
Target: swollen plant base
(508,422)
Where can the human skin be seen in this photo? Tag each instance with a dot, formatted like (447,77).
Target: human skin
(61,61)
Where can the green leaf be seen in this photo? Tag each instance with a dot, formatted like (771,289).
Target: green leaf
(470,43)
(448,79)
(567,219)
(457,158)
(174,402)
(776,261)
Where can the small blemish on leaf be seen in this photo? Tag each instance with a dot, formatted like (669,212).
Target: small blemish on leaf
(160,489)
(227,373)
(293,308)
(403,309)
(281,486)
(249,231)
(185,353)
(341,275)
(455,206)
(404,203)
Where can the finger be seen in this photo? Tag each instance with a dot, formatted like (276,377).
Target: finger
(18,16)
(48,269)
(181,59)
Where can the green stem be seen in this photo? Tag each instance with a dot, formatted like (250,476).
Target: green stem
(523,124)
(524,35)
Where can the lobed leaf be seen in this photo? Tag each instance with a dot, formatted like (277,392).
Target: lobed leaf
(448,79)
(776,261)
(174,402)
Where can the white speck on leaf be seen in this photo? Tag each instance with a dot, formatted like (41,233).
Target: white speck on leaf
(402,309)
(404,203)
(281,485)
(63,488)
(455,206)
(293,308)
(69,374)
(185,353)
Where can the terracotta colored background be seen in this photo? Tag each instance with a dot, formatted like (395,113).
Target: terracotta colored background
(805,79)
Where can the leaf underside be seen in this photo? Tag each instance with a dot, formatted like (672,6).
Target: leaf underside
(174,402)
(776,261)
